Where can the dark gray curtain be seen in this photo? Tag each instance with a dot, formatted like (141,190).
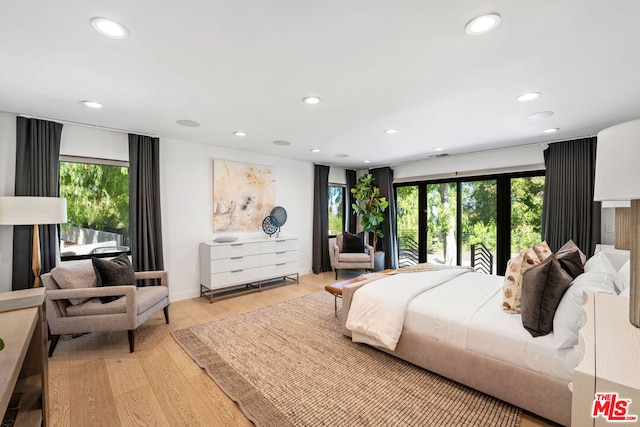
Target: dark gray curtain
(568,210)
(321,259)
(145,221)
(383,178)
(351,219)
(37,156)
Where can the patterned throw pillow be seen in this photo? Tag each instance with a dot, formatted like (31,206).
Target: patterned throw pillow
(512,287)
(542,250)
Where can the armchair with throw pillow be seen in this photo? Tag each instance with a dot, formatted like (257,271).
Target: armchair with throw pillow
(352,252)
(101,295)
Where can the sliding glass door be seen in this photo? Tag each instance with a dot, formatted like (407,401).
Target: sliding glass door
(479,221)
(446,221)
(442,232)
(407,208)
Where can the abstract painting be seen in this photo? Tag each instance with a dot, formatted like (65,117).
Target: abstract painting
(243,194)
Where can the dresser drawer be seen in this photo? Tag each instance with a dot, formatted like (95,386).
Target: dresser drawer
(279,245)
(234,250)
(235,263)
(277,270)
(234,277)
(278,257)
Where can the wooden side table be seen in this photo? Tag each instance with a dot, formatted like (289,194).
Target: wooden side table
(23,362)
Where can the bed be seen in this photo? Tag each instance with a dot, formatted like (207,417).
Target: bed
(455,326)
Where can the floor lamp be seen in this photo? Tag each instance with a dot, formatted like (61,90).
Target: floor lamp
(34,211)
(618,179)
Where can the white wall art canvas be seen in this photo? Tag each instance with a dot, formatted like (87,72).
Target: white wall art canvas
(243,194)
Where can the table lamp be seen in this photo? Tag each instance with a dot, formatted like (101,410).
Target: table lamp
(20,210)
(618,179)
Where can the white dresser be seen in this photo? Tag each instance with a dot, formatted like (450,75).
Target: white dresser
(249,262)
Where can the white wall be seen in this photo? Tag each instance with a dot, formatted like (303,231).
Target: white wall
(187,205)
(186,195)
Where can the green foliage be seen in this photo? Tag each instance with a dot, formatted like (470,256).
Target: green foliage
(479,216)
(526,212)
(336,209)
(370,205)
(407,210)
(97,196)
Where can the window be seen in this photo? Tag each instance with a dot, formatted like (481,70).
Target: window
(336,209)
(439,221)
(97,193)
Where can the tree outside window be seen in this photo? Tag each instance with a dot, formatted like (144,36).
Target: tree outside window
(97,208)
(336,209)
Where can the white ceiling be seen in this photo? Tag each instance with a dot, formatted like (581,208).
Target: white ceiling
(376,64)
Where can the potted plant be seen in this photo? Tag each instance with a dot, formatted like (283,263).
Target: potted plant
(370,205)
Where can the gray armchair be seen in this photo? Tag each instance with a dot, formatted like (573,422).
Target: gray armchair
(73,302)
(348,260)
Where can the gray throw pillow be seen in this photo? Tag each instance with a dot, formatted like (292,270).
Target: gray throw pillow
(542,290)
(114,272)
(570,246)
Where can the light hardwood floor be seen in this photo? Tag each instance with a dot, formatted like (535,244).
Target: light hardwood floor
(95,381)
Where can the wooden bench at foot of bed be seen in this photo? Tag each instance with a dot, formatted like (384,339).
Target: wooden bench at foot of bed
(540,394)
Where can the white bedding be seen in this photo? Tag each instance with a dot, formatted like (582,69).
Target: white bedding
(466,311)
(377,311)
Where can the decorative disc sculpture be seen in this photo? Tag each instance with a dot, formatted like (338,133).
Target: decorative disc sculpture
(270,225)
(280,214)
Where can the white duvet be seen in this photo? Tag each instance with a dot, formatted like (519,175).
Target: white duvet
(377,311)
(465,311)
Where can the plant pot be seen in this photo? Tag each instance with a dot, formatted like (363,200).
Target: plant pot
(378,261)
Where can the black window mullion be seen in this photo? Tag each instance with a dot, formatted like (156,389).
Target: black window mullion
(423,233)
(503,220)
(459,222)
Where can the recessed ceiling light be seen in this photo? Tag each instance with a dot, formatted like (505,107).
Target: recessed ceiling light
(391,131)
(239,133)
(311,100)
(551,130)
(367,161)
(109,28)
(482,24)
(540,115)
(438,149)
(92,104)
(315,150)
(282,143)
(188,123)
(342,156)
(529,96)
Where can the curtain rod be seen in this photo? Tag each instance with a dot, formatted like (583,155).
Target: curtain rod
(70,122)
(492,149)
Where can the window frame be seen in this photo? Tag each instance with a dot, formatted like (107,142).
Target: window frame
(93,161)
(503,201)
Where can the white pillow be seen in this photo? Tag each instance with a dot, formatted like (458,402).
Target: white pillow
(566,321)
(623,278)
(625,293)
(600,262)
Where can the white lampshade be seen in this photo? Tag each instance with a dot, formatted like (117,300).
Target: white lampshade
(618,163)
(21,210)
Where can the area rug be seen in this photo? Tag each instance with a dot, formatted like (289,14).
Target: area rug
(289,365)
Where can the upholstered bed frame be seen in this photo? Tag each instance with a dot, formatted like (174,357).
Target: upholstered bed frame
(538,393)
